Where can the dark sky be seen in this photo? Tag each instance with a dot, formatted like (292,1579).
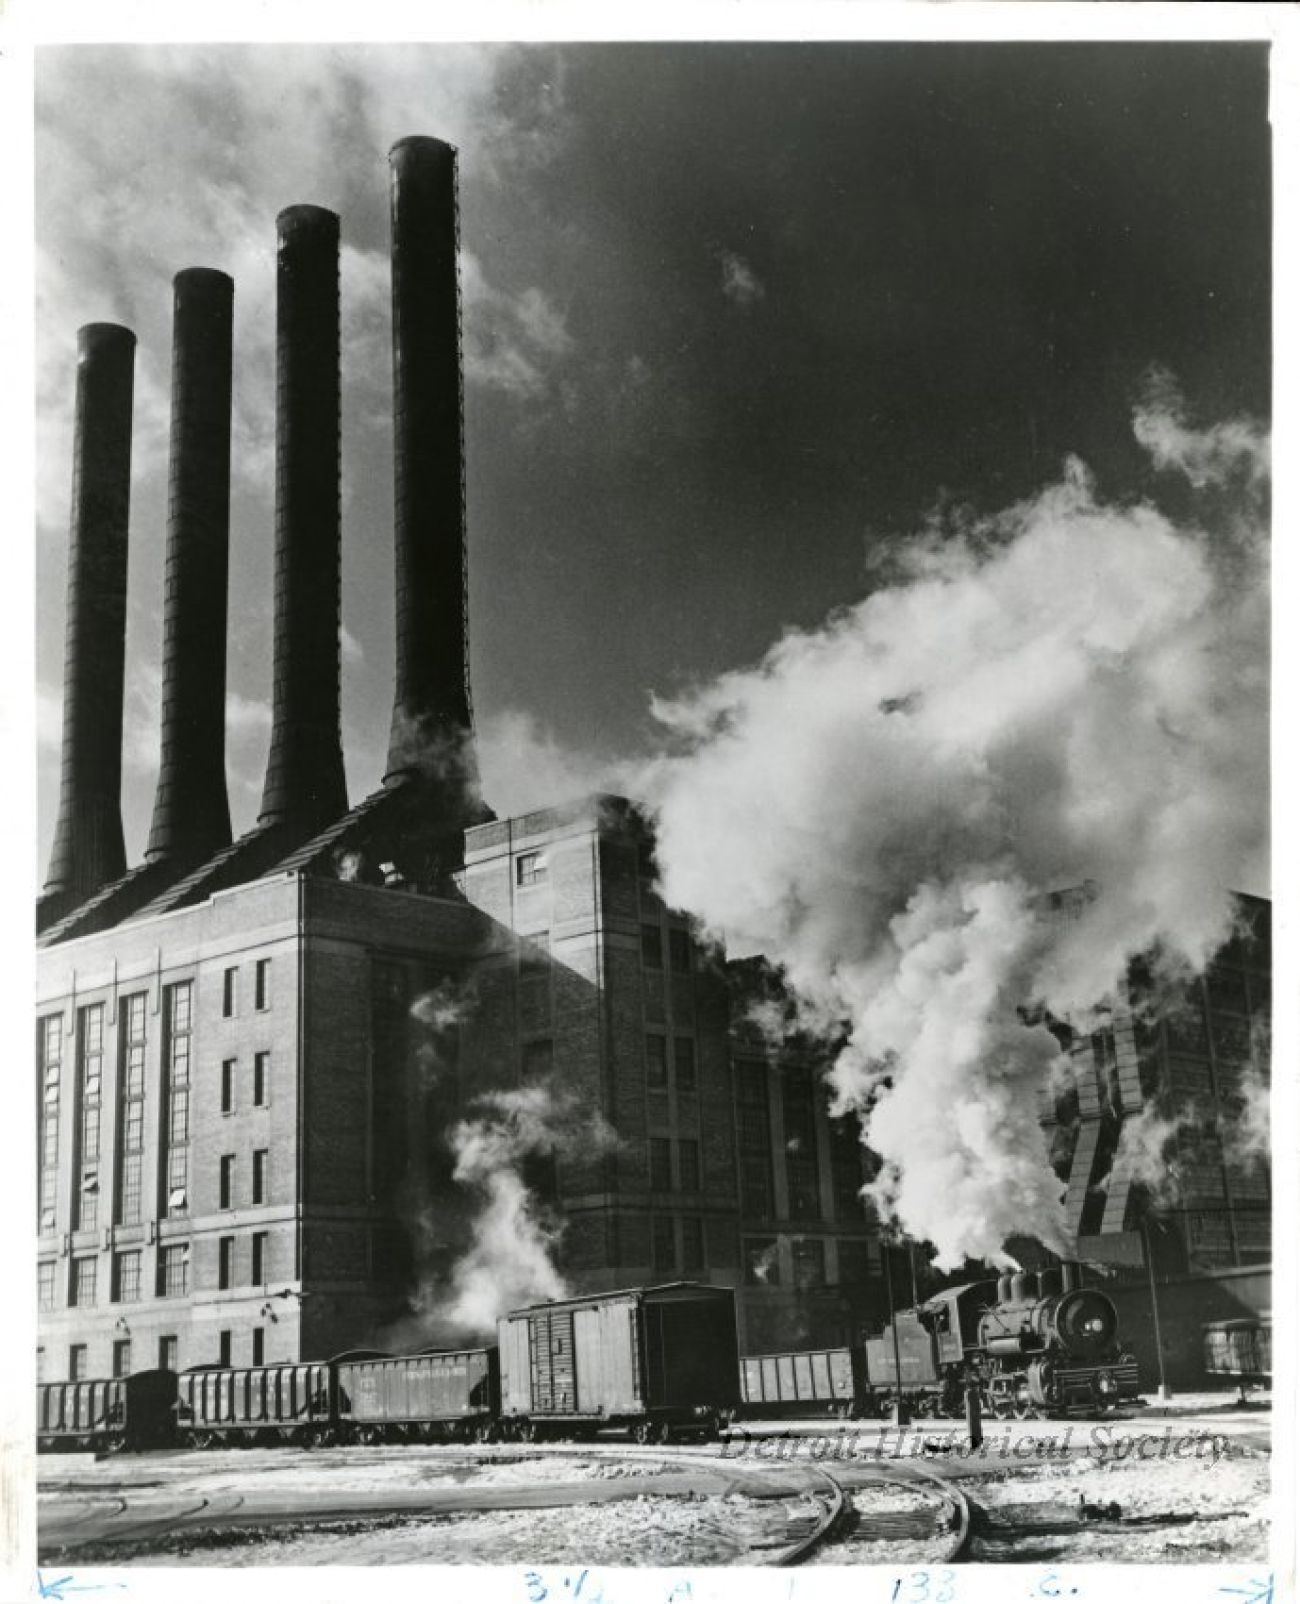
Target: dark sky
(736,315)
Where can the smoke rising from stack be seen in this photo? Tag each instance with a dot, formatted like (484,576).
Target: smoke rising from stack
(88,850)
(1066,690)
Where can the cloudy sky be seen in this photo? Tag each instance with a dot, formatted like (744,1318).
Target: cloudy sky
(738,317)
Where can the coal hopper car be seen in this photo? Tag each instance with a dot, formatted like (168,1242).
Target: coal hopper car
(433,1396)
(104,1416)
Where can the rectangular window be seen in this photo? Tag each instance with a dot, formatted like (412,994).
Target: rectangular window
(175,1156)
(262,984)
(122,1357)
(656,1061)
(227,1085)
(226,1182)
(260,1240)
(46,1271)
(174,1271)
(652,955)
(88,1206)
(90,1070)
(530,868)
(225,1263)
(40,1364)
(126,1276)
(168,1352)
(261,1078)
(538,1061)
(679,951)
(684,1061)
(809,1256)
(800,1144)
(846,1167)
(130,1109)
(762,1266)
(78,1367)
(259,1346)
(260,1159)
(223,1348)
(230,993)
(85,1282)
(688,1162)
(753,1138)
(692,1242)
(663,1247)
(661,1173)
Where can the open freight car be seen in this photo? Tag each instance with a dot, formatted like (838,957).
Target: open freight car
(418,1397)
(291,1403)
(820,1381)
(656,1361)
(1241,1350)
(131,1412)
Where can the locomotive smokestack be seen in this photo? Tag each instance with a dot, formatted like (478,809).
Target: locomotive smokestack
(305,785)
(88,846)
(191,815)
(431,708)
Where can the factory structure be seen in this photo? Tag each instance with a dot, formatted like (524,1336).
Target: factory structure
(250,1051)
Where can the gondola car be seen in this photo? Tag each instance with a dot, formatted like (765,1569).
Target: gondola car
(291,1403)
(816,1381)
(433,1396)
(656,1361)
(1241,1350)
(105,1416)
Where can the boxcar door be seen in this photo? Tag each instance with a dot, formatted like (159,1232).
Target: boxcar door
(516,1369)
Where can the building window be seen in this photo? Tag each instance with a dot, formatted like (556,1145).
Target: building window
(260,1240)
(90,1070)
(226,1182)
(176,1074)
(262,984)
(85,1282)
(261,1078)
(688,1163)
(227,1085)
(40,1364)
(538,1061)
(809,1261)
(174,1271)
(656,1061)
(223,1348)
(692,1242)
(168,1352)
(259,1175)
(230,993)
(661,1173)
(49,1050)
(652,955)
(762,1264)
(259,1345)
(530,868)
(684,1062)
(130,1106)
(122,1357)
(858,1263)
(225,1263)
(663,1248)
(800,1144)
(126,1276)
(78,1365)
(846,1168)
(679,951)
(46,1274)
(754,1139)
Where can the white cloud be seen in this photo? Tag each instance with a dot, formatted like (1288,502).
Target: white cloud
(514,342)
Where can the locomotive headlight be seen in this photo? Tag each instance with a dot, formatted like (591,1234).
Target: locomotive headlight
(1095,1326)
(1106,1383)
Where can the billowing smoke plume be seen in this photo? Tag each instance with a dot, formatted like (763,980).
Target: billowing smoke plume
(1245,1132)
(1147,1152)
(1067,690)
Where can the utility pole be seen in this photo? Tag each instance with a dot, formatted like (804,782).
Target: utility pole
(1164,1392)
(901,1416)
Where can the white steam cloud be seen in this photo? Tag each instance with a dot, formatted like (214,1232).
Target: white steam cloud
(1067,690)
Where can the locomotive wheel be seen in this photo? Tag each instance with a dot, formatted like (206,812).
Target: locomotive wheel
(649,1432)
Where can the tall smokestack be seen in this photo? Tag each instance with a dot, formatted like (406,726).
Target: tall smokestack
(305,786)
(431,710)
(191,816)
(88,846)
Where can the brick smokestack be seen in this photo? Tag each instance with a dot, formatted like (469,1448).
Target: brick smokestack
(305,785)
(431,707)
(88,845)
(191,816)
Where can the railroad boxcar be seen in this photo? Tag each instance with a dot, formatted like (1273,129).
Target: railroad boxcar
(131,1412)
(421,1397)
(655,1360)
(267,1404)
(1241,1350)
(816,1381)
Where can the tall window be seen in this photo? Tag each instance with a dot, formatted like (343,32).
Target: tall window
(78,1366)
(130,1110)
(688,1161)
(684,1063)
(259,1345)
(226,1182)
(530,868)
(809,1256)
(261,1078)
(846,1167)
(122,1357)
(800,1144)
(262,984)
(663,1248)
(692,1242)
(227,1085)
(174,1270)
(754,1139)
(223,1347)
(260,1160)
(168,1353)
(661,1170)
(126,1276)
(176,1075)
(652,955)
(230,993)
(84,1283)
(90,1071)
(46,1272)
(260,1240)
(656,1061)
(679,952)
(49,1052)
(225,1263)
